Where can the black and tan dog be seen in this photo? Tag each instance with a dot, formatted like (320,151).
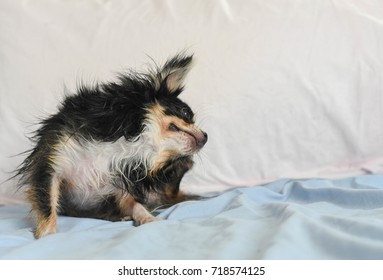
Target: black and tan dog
(114,151)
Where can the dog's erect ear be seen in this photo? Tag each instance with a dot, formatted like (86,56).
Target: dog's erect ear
(171,76)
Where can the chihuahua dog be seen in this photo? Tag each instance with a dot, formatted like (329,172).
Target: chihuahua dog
(114,151)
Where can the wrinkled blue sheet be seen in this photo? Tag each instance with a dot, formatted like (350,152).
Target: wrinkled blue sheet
(286,219)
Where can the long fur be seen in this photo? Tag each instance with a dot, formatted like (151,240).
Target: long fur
(114,151)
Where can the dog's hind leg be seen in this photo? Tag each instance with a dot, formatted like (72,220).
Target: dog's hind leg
(44,196)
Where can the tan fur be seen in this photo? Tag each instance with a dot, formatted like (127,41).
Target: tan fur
(163,120)
(45,225)
(157,116)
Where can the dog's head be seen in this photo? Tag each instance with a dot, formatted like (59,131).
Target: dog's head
(169,122)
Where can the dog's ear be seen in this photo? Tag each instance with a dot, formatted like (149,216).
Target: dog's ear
(170,78)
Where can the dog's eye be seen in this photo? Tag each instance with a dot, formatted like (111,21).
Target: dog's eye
(186,113)
(173,127)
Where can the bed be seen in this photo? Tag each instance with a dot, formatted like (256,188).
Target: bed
(286,219)
(290,93)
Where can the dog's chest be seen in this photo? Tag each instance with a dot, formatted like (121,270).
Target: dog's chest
(90,168)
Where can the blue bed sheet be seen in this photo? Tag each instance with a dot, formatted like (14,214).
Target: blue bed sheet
(286,219)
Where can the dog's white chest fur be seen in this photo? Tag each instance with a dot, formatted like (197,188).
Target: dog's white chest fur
(90,168)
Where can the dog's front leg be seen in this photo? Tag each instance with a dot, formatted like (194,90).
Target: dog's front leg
(131,209)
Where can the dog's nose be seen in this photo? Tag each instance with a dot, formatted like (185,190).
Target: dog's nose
(202,141)
(205,134)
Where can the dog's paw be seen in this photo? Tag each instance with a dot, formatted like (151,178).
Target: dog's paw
(148,219)
(126,218)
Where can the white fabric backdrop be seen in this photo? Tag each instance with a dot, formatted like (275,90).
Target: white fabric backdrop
(285,89)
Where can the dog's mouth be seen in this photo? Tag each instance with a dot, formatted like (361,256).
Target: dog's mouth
(197,137)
